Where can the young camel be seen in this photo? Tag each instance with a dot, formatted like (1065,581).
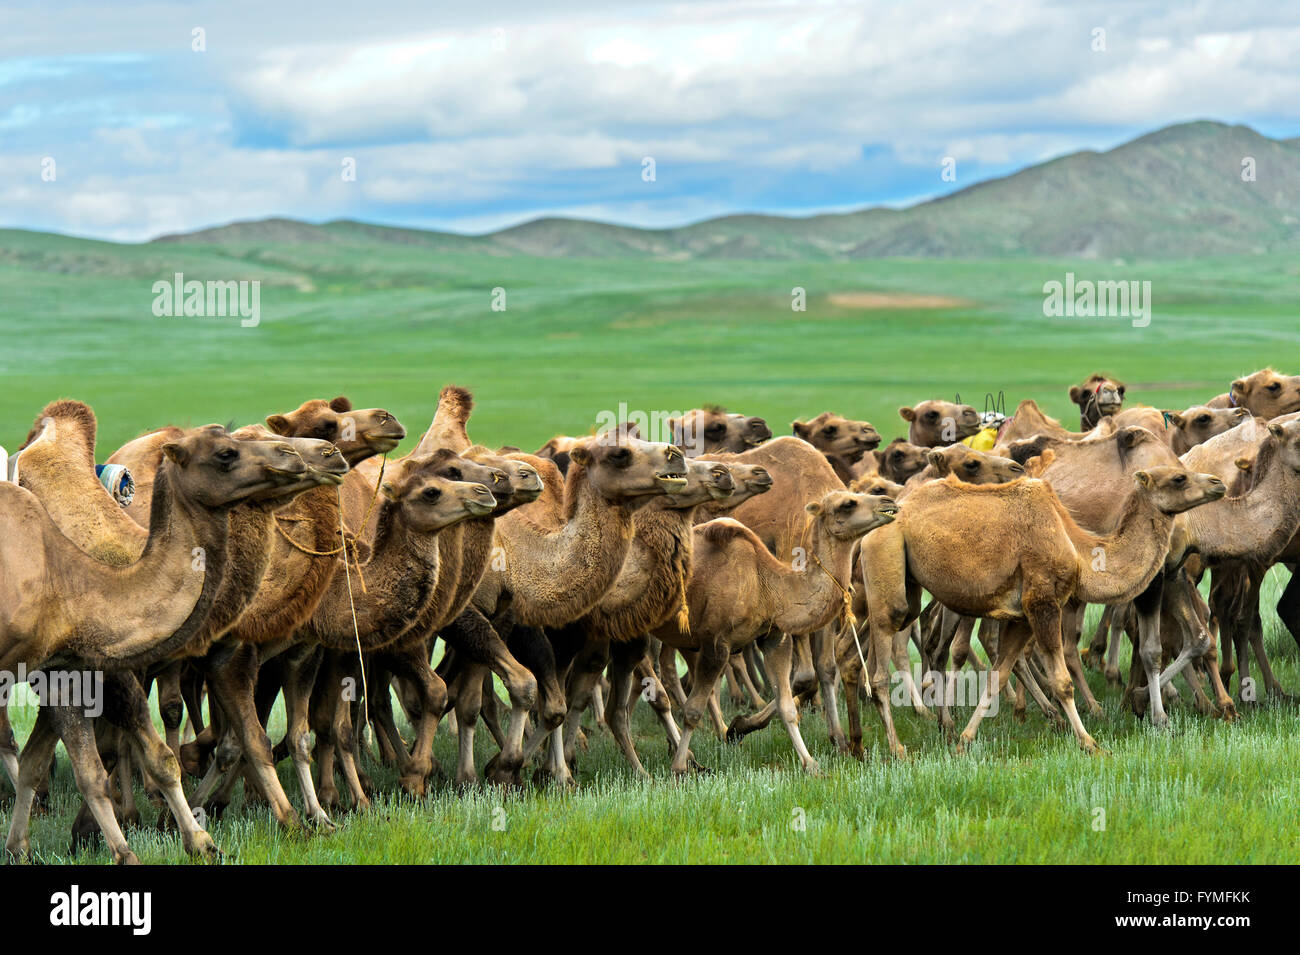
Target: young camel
(1097,397)
(1265,394)
(549,576)
(739,591)
(844,442)
(1012,552)
(935,423)
(711,429)
(896,462)
(123,617)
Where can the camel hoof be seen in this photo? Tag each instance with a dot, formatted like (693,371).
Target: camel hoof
(321,825)
(925,713)
(414,785)
(736,731)
(1229,713)
(1019,715)
(204,847)
(18,852)
(128,858)
(813,769)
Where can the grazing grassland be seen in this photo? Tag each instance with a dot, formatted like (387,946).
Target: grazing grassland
(389,326)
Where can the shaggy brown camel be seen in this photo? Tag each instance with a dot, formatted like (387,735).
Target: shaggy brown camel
(302,561)
(124,617)
(61,473)
(1097,397)
(750,480)
(649,590)
(738,591)
(898,461)
(935,423)
(1024,584)
(1199,423)
(1254,528)
(844,442)
(549,576)
(1265,394)
(710,429)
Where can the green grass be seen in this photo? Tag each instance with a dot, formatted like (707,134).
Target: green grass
(389,326)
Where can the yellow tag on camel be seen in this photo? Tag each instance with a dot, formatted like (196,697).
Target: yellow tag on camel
(983,440)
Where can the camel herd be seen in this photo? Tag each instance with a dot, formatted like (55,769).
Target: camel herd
(297,560)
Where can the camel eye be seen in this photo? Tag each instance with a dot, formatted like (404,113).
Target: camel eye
(715,430)
(972,465)
(454,474)
(848,506)
(1181,479)
(1203,419)
(931,416)
(227,455)
(830,431)
(620,456)
(1275,386)
(431,494)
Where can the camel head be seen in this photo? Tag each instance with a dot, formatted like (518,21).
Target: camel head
(706,430)
(1099,394)
(523,483)
(899,460)
(1287,435)
(447,464)
(846,515)
(1266,393)
(874,484)
(621,466)
(838,437)
(1174,489)
(1199,423)
(750,479)
(558,445)
(705,481)
(935,423)
(358,434)
(210,466)
(325,463)
(429,502)
(974,467)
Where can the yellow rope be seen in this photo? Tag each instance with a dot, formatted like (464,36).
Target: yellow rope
(684,611)
(847,612)
(356,632)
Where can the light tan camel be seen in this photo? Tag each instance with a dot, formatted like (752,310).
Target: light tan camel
(844,442)
(1097,397)
(1023,584)
(710,429)
(1265,394)
(935,423)
(739,591)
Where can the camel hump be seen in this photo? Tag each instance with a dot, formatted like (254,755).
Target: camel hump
(722,531)
(457,397)
(68,412)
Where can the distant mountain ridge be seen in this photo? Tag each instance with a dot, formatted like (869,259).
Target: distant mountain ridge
(1174,193)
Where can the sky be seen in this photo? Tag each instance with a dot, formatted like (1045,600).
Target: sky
(471,117)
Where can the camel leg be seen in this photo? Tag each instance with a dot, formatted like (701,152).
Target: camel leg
(1181,609)
(1210,663)
(1070,650)
(301,665)
(1255,630)
(1118,624)
(1288,605)
(1094,654)
(410,662)
(715,712)
(903,669)
(1045,621)
(1011,643)
(828,678)
(745,674)
(393,750)
(669,677)
(538,678)
(584,675)
(710,661)
(656,696)
(156,759)
(490,712)
(1150,649)
(32,769)
(623,661)
(171,705)
(778,667)
(472,682)
(232,679)
(851,673)
(1025,674)
(74,728)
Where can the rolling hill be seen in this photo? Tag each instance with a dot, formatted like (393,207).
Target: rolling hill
(1175,193)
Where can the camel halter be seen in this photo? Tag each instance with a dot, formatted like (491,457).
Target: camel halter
(846,614)
(346,537)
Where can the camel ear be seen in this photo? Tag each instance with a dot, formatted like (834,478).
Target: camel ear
(176,453)
(1143,479)
(1076,393)
(388,490)
(341,405)
(1275,430)
(813,507)
(1243,464)
(1176,418)
(278,423)
(801,429)
(1238,386)
(580,455)
(907,414)
(938,462)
